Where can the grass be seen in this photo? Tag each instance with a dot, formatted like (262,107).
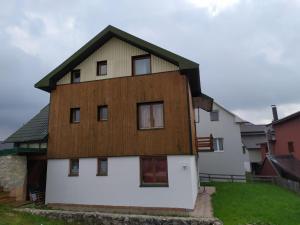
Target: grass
(257,203)
(8,217)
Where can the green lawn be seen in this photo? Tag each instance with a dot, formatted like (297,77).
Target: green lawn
(10,217)
(243,203)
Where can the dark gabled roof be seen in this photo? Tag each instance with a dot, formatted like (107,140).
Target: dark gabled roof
(292,116)
(34,130)
(252,128)
(187,67)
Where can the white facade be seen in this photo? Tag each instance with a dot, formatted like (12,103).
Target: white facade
(231,160)
(122,185)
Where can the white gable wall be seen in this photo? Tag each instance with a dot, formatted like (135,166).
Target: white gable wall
(232,159)
(118,55)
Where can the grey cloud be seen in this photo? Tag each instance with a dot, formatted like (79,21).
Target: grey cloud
(249,55)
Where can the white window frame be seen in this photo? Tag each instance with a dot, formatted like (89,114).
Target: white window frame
(218,144)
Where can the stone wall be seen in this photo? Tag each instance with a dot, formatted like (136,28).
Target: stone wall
(13,170)
(96,218)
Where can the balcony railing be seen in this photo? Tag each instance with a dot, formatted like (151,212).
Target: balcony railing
(205,144)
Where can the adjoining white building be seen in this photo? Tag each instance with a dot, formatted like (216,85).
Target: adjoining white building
(228,156)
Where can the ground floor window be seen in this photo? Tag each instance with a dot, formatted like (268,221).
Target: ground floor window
(102,167)
(154,171)
(74,167)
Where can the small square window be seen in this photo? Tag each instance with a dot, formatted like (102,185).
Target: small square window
(214,115)
(101,68)
(74,167)
(75,115)
(75,76)
(102,167)
(141,65)
(102,113)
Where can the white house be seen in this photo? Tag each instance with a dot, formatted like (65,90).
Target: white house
(228,155)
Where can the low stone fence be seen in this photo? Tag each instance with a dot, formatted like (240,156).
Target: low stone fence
(13,170)
(97,218)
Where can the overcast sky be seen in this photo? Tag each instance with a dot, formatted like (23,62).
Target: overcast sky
(248,51)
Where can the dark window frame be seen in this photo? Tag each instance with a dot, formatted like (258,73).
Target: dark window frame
(71,115)
(99,159)
(144,184)
(99,112)
(291,147)
(72,76)
(151,115)
(99,64)
(218,115)
(71,174)
(137,57)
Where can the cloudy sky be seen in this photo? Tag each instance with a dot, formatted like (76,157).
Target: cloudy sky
(248,51)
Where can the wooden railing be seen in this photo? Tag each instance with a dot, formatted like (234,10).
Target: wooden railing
(204,144)
(206,177)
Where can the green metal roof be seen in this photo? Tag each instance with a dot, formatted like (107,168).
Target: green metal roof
(188,67)
(15,151)
(34,130)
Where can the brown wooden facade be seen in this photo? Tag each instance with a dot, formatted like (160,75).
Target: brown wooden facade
(119,135)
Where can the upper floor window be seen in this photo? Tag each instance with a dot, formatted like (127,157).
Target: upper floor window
(102,167)
(214,115)
(101,68)
(141,64)
(154,171)
(291,146)
(218,144)
(75,115)
(102,113)
(151,115)
(75,76)
(74,167)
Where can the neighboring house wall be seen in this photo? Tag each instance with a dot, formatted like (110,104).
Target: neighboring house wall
(13,170)
(255,156)
(122,185)
(118,55)
(229,161)
(287,131)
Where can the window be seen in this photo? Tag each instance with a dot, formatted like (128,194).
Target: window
(150,115)
(75,76)
(214,115)
(74,167)
(218,144)
(154,171)
(102,167)
(75,115)
(141,65)
(291,146)
(101,68)
(102,113)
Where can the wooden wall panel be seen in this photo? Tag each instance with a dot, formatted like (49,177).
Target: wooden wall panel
(119,135)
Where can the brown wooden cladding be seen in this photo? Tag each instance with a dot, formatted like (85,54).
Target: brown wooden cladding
(119,135)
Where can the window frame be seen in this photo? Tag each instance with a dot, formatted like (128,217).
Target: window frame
(99,113)
(291,147)
(71,115)
(99,163)
(218,144)
(137,57)
(151,115)
(214,111)
(143,184)
(72,77)
(99,64)
(70,168)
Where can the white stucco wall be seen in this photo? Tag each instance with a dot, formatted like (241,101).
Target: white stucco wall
(122,185)
(231,160)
